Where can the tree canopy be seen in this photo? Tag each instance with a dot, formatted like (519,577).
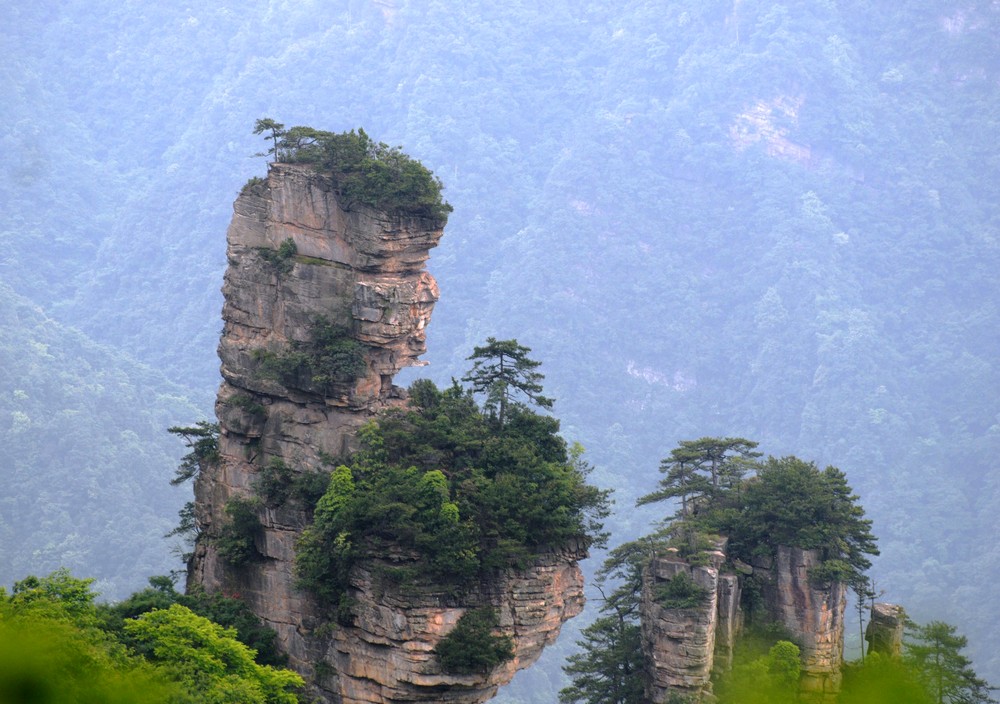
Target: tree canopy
(760,505)
(503,372)
(57,645)
(370,172)
(438,482)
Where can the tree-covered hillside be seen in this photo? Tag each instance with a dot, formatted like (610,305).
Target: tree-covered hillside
(709,218)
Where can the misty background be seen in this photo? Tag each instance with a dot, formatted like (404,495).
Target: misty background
(733,217)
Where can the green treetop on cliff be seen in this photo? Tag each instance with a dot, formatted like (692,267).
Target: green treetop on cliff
(365,171)
(760,505)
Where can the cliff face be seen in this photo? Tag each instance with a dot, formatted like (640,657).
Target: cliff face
(362,272)
(813,615)
(885,629)
(682,646)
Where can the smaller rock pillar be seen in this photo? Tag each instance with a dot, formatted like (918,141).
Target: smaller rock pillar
(885,630)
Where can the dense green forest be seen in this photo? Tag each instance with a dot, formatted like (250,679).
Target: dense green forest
(712,218)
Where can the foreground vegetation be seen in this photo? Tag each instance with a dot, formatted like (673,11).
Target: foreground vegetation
(57,645)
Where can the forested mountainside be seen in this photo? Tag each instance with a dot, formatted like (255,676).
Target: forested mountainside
(712,218)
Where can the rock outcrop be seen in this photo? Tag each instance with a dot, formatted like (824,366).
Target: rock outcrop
(683,646)
(885,629)
(679,644)
(812,614)
(300,259)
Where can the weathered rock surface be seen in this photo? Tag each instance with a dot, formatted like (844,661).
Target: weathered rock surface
(683,646)
(813,615)
(680,645)
(364,270)
(885,629)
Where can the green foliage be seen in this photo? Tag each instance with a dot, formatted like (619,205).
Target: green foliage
(207,660)
(274,129)
(282,258)
(791,502)
(610,668)
(437,482)
(785,501)
(252,183)
(502,370)
(370,172)
(471,646)
(236,541)
(277,483)
(203,440)
(934,652)
(681,592)
(883,680)
(273,483)
(331,358)
(70,593)
(772,678)
(226,611)
(56,645)
(45,659)
(249,405)
(187,529)
(703,467)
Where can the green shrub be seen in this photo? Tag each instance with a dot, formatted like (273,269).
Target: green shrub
(681,592)
(249,405)
(282,258)
(370,172)
(439,483)
(471,648)
(273,483)
(253,183)
(331,357)
(236,540)
(277,483)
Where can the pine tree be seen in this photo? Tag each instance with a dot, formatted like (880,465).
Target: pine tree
(502,370)
(935,654)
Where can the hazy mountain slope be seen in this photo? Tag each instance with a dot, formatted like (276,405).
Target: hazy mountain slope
(85,456)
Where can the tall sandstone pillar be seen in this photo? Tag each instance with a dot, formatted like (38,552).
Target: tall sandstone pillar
(362,270)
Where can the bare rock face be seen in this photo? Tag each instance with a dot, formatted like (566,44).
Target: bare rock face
(683,646)
(885,629)
(812,614)
(680,645)
(362,271)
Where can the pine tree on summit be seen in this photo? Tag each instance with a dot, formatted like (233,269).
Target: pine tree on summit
(502,370)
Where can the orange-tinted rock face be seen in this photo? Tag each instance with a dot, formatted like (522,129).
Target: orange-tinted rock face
(363,270)
(678,643)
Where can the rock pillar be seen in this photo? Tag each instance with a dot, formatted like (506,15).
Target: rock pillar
(885,630)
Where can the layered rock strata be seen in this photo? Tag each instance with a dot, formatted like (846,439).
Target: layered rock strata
(812,614)
(680,645)
(683,646)
(300,258)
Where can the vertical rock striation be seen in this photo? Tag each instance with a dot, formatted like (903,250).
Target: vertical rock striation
(678,643)
(812,614)
(683,646)
(301,259)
